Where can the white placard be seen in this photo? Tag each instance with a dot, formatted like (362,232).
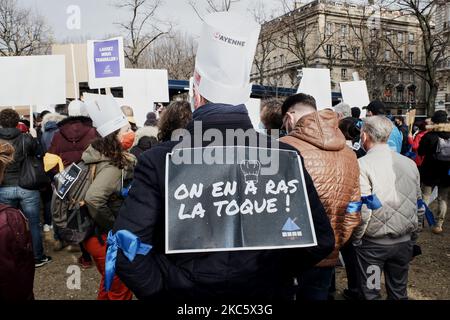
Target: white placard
(33,80)
(355,94)
(254,111)
(143,87)
(158,81)
(106,63)
(317,83)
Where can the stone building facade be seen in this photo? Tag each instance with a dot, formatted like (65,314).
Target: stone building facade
(380,45)
(443,27)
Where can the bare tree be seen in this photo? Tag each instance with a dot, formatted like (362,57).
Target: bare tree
(211,6)
(266,45)
(143,29)
(301,38)
(176,53)
(367,48)
(22,33)
(435,44)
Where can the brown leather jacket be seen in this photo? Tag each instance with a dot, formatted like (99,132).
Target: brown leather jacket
(334,170)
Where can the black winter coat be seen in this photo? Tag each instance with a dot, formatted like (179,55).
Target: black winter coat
(218,276)
(434,172)
(20,141)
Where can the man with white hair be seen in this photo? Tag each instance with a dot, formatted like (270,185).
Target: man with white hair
(343,110)
(390,190)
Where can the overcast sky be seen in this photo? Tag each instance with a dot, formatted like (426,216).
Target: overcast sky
(98,17)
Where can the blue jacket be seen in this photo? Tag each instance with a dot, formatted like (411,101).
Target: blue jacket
(395,140)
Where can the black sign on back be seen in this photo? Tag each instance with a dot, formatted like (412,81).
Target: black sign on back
(233,205)
(66,180)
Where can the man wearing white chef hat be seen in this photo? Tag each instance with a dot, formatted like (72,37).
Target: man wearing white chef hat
(221,87)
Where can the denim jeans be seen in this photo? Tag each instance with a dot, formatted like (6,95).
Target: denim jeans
(29,202)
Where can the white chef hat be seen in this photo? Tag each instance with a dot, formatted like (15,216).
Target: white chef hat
(105,113)
(225,55)
(77,108)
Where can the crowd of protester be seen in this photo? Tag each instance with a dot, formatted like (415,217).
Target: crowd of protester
(369,181)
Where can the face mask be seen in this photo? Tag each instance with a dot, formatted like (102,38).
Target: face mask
(127,140)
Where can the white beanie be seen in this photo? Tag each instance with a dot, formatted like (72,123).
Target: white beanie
(225,55)
(77,108)
(105,113)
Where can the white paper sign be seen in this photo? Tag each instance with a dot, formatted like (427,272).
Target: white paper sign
(158,81)
(355,94)
(106,63)
(317,83)
(254,111)
(33,80)
(143,87)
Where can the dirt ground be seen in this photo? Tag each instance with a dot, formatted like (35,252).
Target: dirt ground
(429,277)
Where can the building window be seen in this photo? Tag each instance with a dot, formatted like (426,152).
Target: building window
(344,30)
(400,55)
(275,62)
(400,37)
(343,52)
(356,52)
(344,73)
(400,95)
(388,77)
(329,49)
(387,55)
(411,38)
(400,76)
(282,60)
(411,77)
(411,58)
(329,29)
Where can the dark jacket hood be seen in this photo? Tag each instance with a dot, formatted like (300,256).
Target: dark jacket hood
(74,129)
(9,133)
(321,129)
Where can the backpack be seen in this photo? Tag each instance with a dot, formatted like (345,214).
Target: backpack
(69,212)
(443,150)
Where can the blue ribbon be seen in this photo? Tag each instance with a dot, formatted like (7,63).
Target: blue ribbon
(428,213)
(130,246)
(354,207)
(372,202)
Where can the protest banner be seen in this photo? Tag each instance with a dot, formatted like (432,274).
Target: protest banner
(76,66)
(67,179)
(355,94)
(317,83)
(106,63)
(31,81)
(228,202)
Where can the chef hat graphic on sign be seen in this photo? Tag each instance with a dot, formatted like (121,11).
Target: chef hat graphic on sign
(105,113)
(226,50)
